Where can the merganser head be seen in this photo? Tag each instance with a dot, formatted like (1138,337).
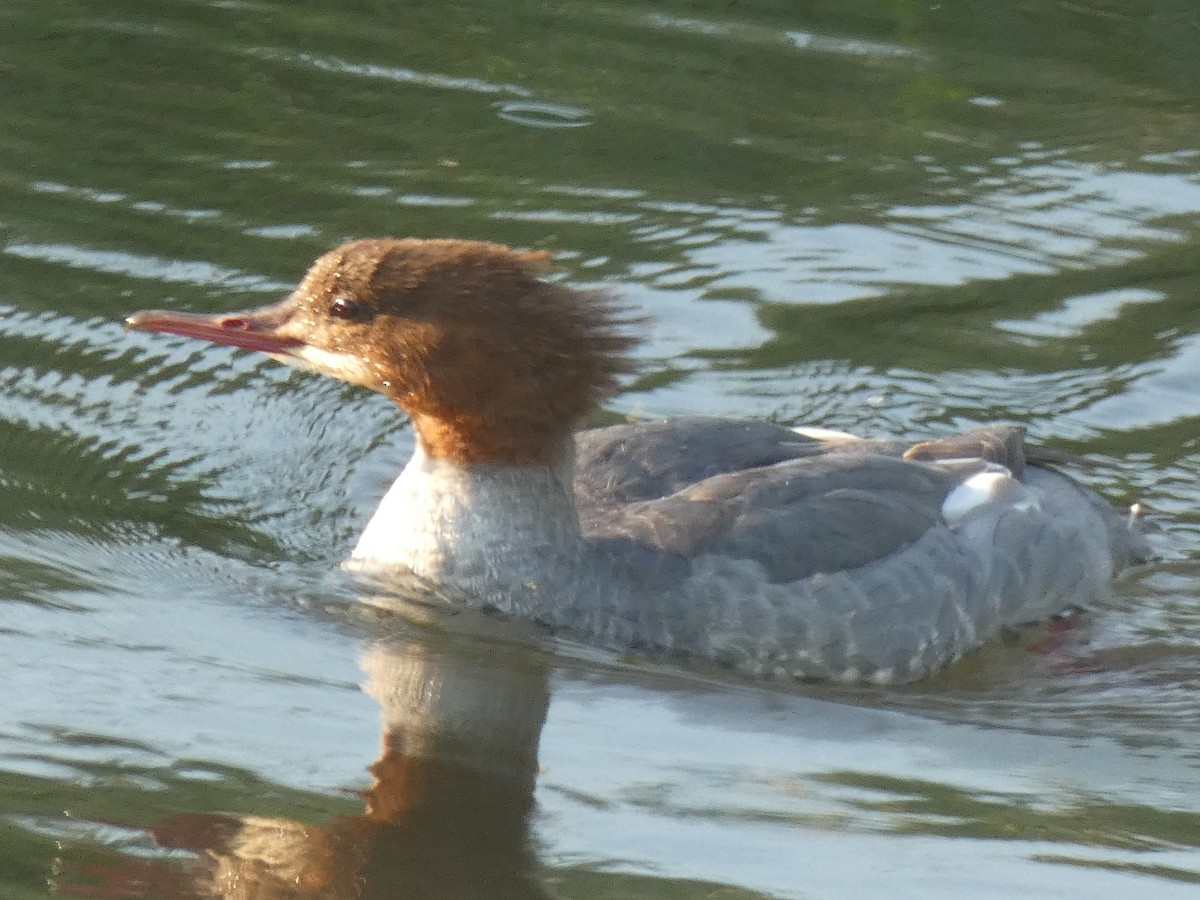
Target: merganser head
(492,363)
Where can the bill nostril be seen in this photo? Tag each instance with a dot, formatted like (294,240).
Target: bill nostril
(235,323)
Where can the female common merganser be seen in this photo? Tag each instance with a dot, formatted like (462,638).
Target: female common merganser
(746,544)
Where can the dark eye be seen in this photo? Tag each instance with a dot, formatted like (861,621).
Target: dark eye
(344,308)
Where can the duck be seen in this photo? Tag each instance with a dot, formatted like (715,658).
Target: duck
(742,545)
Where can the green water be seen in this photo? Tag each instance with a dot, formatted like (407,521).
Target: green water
(887,217)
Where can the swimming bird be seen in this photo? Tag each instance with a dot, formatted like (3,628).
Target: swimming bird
(748,545)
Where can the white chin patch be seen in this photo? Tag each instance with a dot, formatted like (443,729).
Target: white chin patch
(345,366)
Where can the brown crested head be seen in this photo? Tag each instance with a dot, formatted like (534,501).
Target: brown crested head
(492,363)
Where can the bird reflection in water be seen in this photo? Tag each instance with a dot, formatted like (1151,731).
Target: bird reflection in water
(447,815)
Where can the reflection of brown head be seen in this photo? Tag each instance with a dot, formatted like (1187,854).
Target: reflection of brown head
(447,813)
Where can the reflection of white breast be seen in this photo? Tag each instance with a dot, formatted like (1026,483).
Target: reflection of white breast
(447,705)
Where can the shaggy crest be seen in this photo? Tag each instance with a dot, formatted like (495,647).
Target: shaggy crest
(492,363)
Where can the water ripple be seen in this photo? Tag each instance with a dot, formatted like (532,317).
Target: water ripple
(390,73)
(153,268)
(542,115)
(807,41)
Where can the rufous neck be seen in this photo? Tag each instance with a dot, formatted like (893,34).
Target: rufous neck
(515,439)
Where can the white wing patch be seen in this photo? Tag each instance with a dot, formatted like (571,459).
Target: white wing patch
(826,434)
(994,485)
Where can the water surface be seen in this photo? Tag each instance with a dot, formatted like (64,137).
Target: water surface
(886,217)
